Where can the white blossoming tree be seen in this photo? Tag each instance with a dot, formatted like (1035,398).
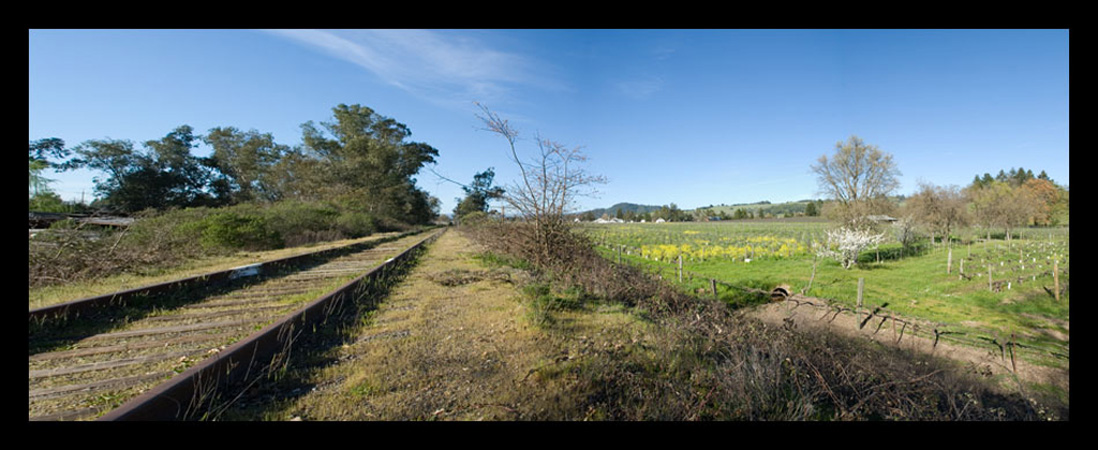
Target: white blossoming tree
(844,245)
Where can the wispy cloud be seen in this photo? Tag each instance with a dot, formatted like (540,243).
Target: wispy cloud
(438,65)
(640,89)
(663,52)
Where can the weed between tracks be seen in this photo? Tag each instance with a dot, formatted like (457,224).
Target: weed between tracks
(280,380)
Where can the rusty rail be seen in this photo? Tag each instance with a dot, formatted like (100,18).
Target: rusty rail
(183,396)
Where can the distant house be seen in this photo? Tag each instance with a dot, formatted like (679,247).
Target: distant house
(118,222)
(40,220)
(881,218)
(44,220)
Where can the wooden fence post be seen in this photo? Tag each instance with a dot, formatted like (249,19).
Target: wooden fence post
(713,284)
(1013,365)
(1056,278)
(861,288)
(1002,347)
(949,262)
(680,267)
(989,278)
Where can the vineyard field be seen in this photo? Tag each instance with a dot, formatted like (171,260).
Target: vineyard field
(942,284)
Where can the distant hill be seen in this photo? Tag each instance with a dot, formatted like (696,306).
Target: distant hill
(757,210)
(771,209)
(624,207)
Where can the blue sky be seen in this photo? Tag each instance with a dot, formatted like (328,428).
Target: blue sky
(691,117)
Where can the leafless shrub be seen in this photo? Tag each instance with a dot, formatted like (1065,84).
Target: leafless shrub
(67,254)
(550,182)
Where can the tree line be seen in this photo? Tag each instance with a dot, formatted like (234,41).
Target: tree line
(1004,203)
(859,178)
(358,160)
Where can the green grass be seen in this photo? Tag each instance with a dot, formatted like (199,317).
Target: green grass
(915,286)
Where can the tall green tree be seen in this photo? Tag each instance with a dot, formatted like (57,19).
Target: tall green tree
(164,175)
(811,210)
(116,159)
(39,156)
(184,176)
(368,162)
(478,194)
(44,154)
(245,164)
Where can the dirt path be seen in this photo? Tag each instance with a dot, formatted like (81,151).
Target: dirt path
(983,361)
(450,343)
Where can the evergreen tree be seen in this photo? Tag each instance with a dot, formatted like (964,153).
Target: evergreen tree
(164,175)
(367,163)
(810,209)
(478,193)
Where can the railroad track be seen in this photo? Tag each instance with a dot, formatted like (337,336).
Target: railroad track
(165,355)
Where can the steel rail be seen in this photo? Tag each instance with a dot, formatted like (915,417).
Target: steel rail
(184,395)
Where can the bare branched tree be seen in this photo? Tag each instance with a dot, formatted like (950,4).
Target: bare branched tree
(550,181)
(941,209)
(999,204)
(858,177)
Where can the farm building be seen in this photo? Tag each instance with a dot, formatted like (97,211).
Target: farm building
(38,220)
(882,218)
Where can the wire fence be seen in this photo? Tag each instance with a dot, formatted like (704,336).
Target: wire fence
(1008,347)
